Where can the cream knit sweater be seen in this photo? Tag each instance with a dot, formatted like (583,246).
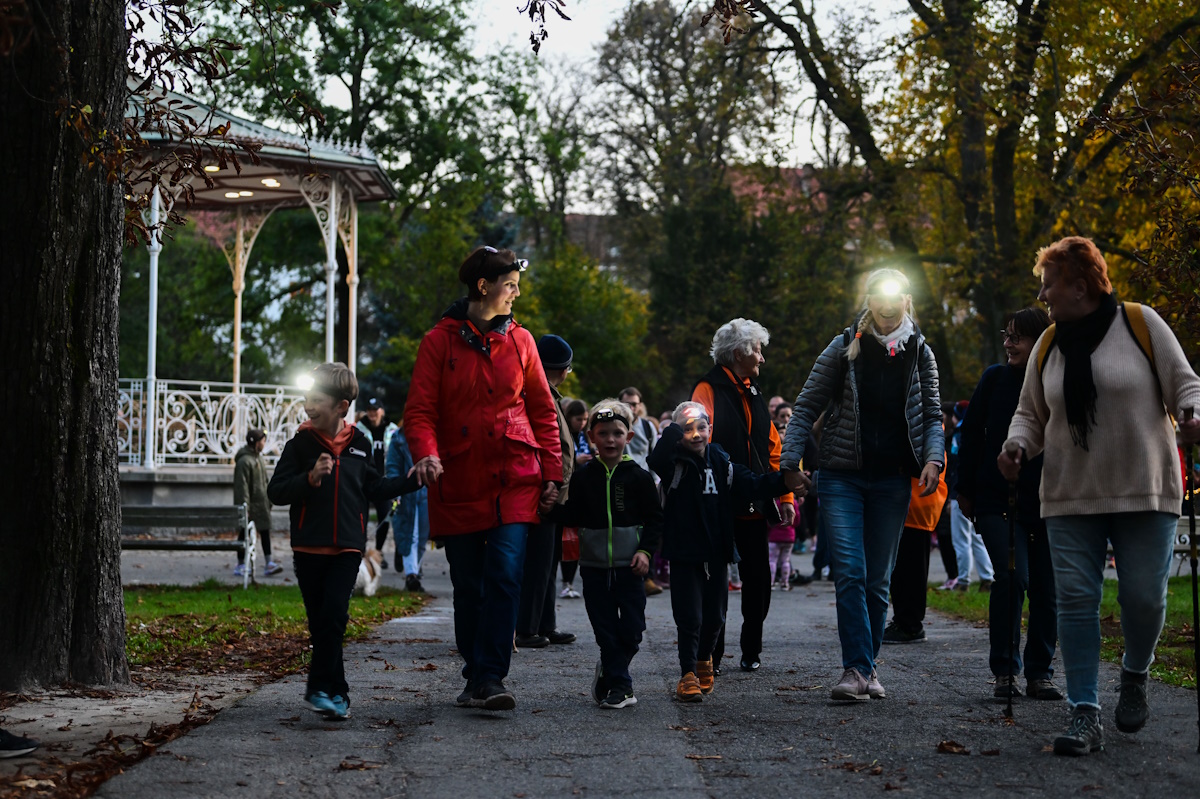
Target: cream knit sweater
(1132,463)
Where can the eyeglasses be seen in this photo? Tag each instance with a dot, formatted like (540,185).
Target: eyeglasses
(1006,337)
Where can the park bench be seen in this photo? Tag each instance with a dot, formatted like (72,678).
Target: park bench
(1182,547)
(191,518)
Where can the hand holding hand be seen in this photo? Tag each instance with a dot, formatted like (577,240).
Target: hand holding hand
(797,482)
(1009,462)
(549,497)
(322,467)
(930,476)
(429,469)
(787,513)
(640,564)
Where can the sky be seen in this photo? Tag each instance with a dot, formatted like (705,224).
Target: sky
(499,23)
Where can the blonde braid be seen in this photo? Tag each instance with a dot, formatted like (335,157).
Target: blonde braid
(854,348)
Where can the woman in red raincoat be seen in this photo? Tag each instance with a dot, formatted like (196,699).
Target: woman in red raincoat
(483,432)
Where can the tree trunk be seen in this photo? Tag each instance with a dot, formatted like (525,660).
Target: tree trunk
(61,611)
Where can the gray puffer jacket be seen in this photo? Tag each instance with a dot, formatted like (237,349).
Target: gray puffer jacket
(841,447)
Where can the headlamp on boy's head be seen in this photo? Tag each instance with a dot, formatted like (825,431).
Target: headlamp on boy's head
(694,414)
(609,415)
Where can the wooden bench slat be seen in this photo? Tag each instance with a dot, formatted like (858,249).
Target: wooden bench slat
(153,543)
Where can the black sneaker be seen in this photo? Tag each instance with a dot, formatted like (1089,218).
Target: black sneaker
(1132,710)
(383,564)
(412,583)
(1084,736)
(15,746)
(796,578)
(467,697)
(532,641)
(494,696)
(619,697)
(895,634)
(560,638)
(1043,688)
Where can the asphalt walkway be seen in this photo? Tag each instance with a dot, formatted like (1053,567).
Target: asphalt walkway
(771,733)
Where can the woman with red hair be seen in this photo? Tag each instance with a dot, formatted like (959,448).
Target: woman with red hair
(1093,396)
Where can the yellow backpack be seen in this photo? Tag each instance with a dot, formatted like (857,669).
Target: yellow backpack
(1134,320)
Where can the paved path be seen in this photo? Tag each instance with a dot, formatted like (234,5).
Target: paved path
(773,733)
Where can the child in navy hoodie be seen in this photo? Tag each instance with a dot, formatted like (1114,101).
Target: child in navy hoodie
(328,476)
(702,488)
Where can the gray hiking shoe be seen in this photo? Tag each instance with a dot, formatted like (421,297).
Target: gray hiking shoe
(1006,686)
(1043,688)
(874,687)
(1084,736)
(853,687)
(1132,710)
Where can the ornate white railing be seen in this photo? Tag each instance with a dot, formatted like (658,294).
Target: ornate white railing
(204,423)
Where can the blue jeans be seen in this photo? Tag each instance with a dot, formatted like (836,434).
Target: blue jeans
(864,518)
(969,546)
(1142,544)
(485,569)
(414,540)
(1034,575)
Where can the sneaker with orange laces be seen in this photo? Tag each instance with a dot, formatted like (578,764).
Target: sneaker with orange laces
(688,689)
(704,675)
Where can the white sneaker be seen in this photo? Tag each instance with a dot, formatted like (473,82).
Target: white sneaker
(568,592)
(239,570)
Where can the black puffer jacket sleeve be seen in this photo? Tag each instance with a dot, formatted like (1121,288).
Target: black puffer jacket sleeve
(819,390)
(933,448)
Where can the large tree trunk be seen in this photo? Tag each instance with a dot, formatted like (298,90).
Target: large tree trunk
(61,611)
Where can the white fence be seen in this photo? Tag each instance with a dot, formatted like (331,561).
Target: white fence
(203,423)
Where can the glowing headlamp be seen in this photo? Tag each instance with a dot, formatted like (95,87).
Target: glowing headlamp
(889,288)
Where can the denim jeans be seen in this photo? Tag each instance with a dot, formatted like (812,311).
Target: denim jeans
(616,606)
(1142,544)
(414,542)
(485,569)
(864,517)
(1034,575)
(536,615)
(326,582)
(968,546)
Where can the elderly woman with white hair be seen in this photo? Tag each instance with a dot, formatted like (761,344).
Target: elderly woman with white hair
(741,424)
(878,382)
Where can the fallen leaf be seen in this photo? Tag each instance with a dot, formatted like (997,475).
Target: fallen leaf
(357,765)
(426,667)
(703,757)
(887,786)
(34,784)
(952,748)
(679,728)
(990,752)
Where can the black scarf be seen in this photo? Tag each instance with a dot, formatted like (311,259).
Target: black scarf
(1078,340)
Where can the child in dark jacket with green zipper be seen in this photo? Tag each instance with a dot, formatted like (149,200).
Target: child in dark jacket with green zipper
(614,503)
(328,476)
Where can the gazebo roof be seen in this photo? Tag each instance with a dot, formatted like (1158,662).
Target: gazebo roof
(285,159)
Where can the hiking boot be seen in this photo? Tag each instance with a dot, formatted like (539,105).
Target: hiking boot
(15,746)
(652,588)
(1043,688)
(852,687)
(1006,686)
(560,638)
(599,683)
(467,697)
(895,634)
(319,702)
(985,586)
(1132,710)
(271,568)
(618,698)
(704,675)
(412,584)
(688,689)
(532,641)
(494,696)
(962,585)
(1084,736)
(874,687)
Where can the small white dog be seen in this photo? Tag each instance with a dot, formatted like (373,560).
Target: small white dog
(368,573)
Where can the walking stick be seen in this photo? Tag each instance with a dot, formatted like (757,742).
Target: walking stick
(1011,449)
(1191,505)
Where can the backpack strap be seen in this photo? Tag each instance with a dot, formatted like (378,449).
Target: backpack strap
(1135,320)
(1044,349)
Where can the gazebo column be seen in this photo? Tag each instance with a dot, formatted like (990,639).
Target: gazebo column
(321,194)
(348,231)
(150,398)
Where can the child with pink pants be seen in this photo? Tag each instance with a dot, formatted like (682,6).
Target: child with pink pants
(780,540)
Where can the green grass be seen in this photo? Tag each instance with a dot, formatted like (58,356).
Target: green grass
(213,627)
(1174,659)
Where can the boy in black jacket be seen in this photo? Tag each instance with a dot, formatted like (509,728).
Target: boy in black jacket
(327,474)
(614,503)
(702,488)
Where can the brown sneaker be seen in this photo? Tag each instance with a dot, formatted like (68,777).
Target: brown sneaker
(852,687)
(652,588)
(704,675)
(688,689)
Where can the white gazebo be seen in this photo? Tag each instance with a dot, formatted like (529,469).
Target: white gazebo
(203,423)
